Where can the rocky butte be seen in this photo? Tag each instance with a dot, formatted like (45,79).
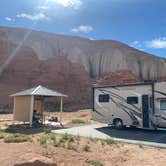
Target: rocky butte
(69,64)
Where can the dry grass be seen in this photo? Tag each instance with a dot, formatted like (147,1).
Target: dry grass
(78,121)
(17,138)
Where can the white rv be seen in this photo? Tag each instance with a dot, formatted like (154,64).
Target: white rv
(141,105)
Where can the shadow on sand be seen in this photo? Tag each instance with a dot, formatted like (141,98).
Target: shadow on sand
(26,129)
(36,163)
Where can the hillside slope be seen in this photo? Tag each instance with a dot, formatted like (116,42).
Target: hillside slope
(66,63)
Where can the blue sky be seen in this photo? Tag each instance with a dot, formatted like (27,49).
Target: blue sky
(139,23)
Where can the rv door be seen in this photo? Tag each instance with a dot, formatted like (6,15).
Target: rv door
(145,111)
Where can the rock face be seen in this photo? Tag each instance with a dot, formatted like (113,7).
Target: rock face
(68,64)
(120,77)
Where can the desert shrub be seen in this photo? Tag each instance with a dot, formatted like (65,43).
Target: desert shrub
(59,143)
(86,148)
(71,146)
(16,138)
(97,163)
(94,139)
(140,146)
(102,142)
(109,141)
(42,140)
(78,121)
(71,139)
(52,136)
(68,137)
(1,135)
(77,138)
(47,130)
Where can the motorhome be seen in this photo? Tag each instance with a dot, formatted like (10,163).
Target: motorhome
(141,105)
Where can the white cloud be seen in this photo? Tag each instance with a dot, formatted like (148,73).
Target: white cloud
(82,29)
(9,19)
(92,38)
(75,4)
(43,7)
(159,43)
(35,17)
(136,44)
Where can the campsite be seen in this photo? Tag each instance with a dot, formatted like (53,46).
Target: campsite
(82,83)
(41,150)
(33,136)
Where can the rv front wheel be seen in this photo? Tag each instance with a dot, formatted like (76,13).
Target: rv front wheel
(118,124)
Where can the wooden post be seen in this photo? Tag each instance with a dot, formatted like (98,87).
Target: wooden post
(61,109)
(43,116)
(31,111)
(14,109)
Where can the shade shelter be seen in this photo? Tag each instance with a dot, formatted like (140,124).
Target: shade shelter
(25,102)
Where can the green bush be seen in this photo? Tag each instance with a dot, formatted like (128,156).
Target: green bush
(68,137)
(47,130)
(67,141)
(97,163)
(42,140)
(16,138)
(78,121)
(86,148)
(52,136)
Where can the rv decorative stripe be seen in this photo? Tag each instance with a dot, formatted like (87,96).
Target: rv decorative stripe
(119,97)
(162,93)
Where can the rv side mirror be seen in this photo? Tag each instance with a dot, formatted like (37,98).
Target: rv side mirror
(132,100)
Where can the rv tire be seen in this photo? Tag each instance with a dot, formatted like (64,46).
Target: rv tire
(118,124)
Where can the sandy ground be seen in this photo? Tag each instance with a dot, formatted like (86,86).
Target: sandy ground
(66,116)
(117,155)
(114,154)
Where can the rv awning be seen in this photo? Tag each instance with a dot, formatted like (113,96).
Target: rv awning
(39,91)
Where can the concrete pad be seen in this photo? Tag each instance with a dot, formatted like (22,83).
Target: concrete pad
(85,131)
(102,131)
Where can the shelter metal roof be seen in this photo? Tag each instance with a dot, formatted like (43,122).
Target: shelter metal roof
(39,91)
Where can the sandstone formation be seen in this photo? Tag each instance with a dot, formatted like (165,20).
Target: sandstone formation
(120,77)
(68,64)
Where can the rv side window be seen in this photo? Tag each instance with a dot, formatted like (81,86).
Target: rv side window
(132,100)
(163,104)
(104,98)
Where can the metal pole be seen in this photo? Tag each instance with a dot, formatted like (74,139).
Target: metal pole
(31,111)
(153,98)
(61,109)
(42,111)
